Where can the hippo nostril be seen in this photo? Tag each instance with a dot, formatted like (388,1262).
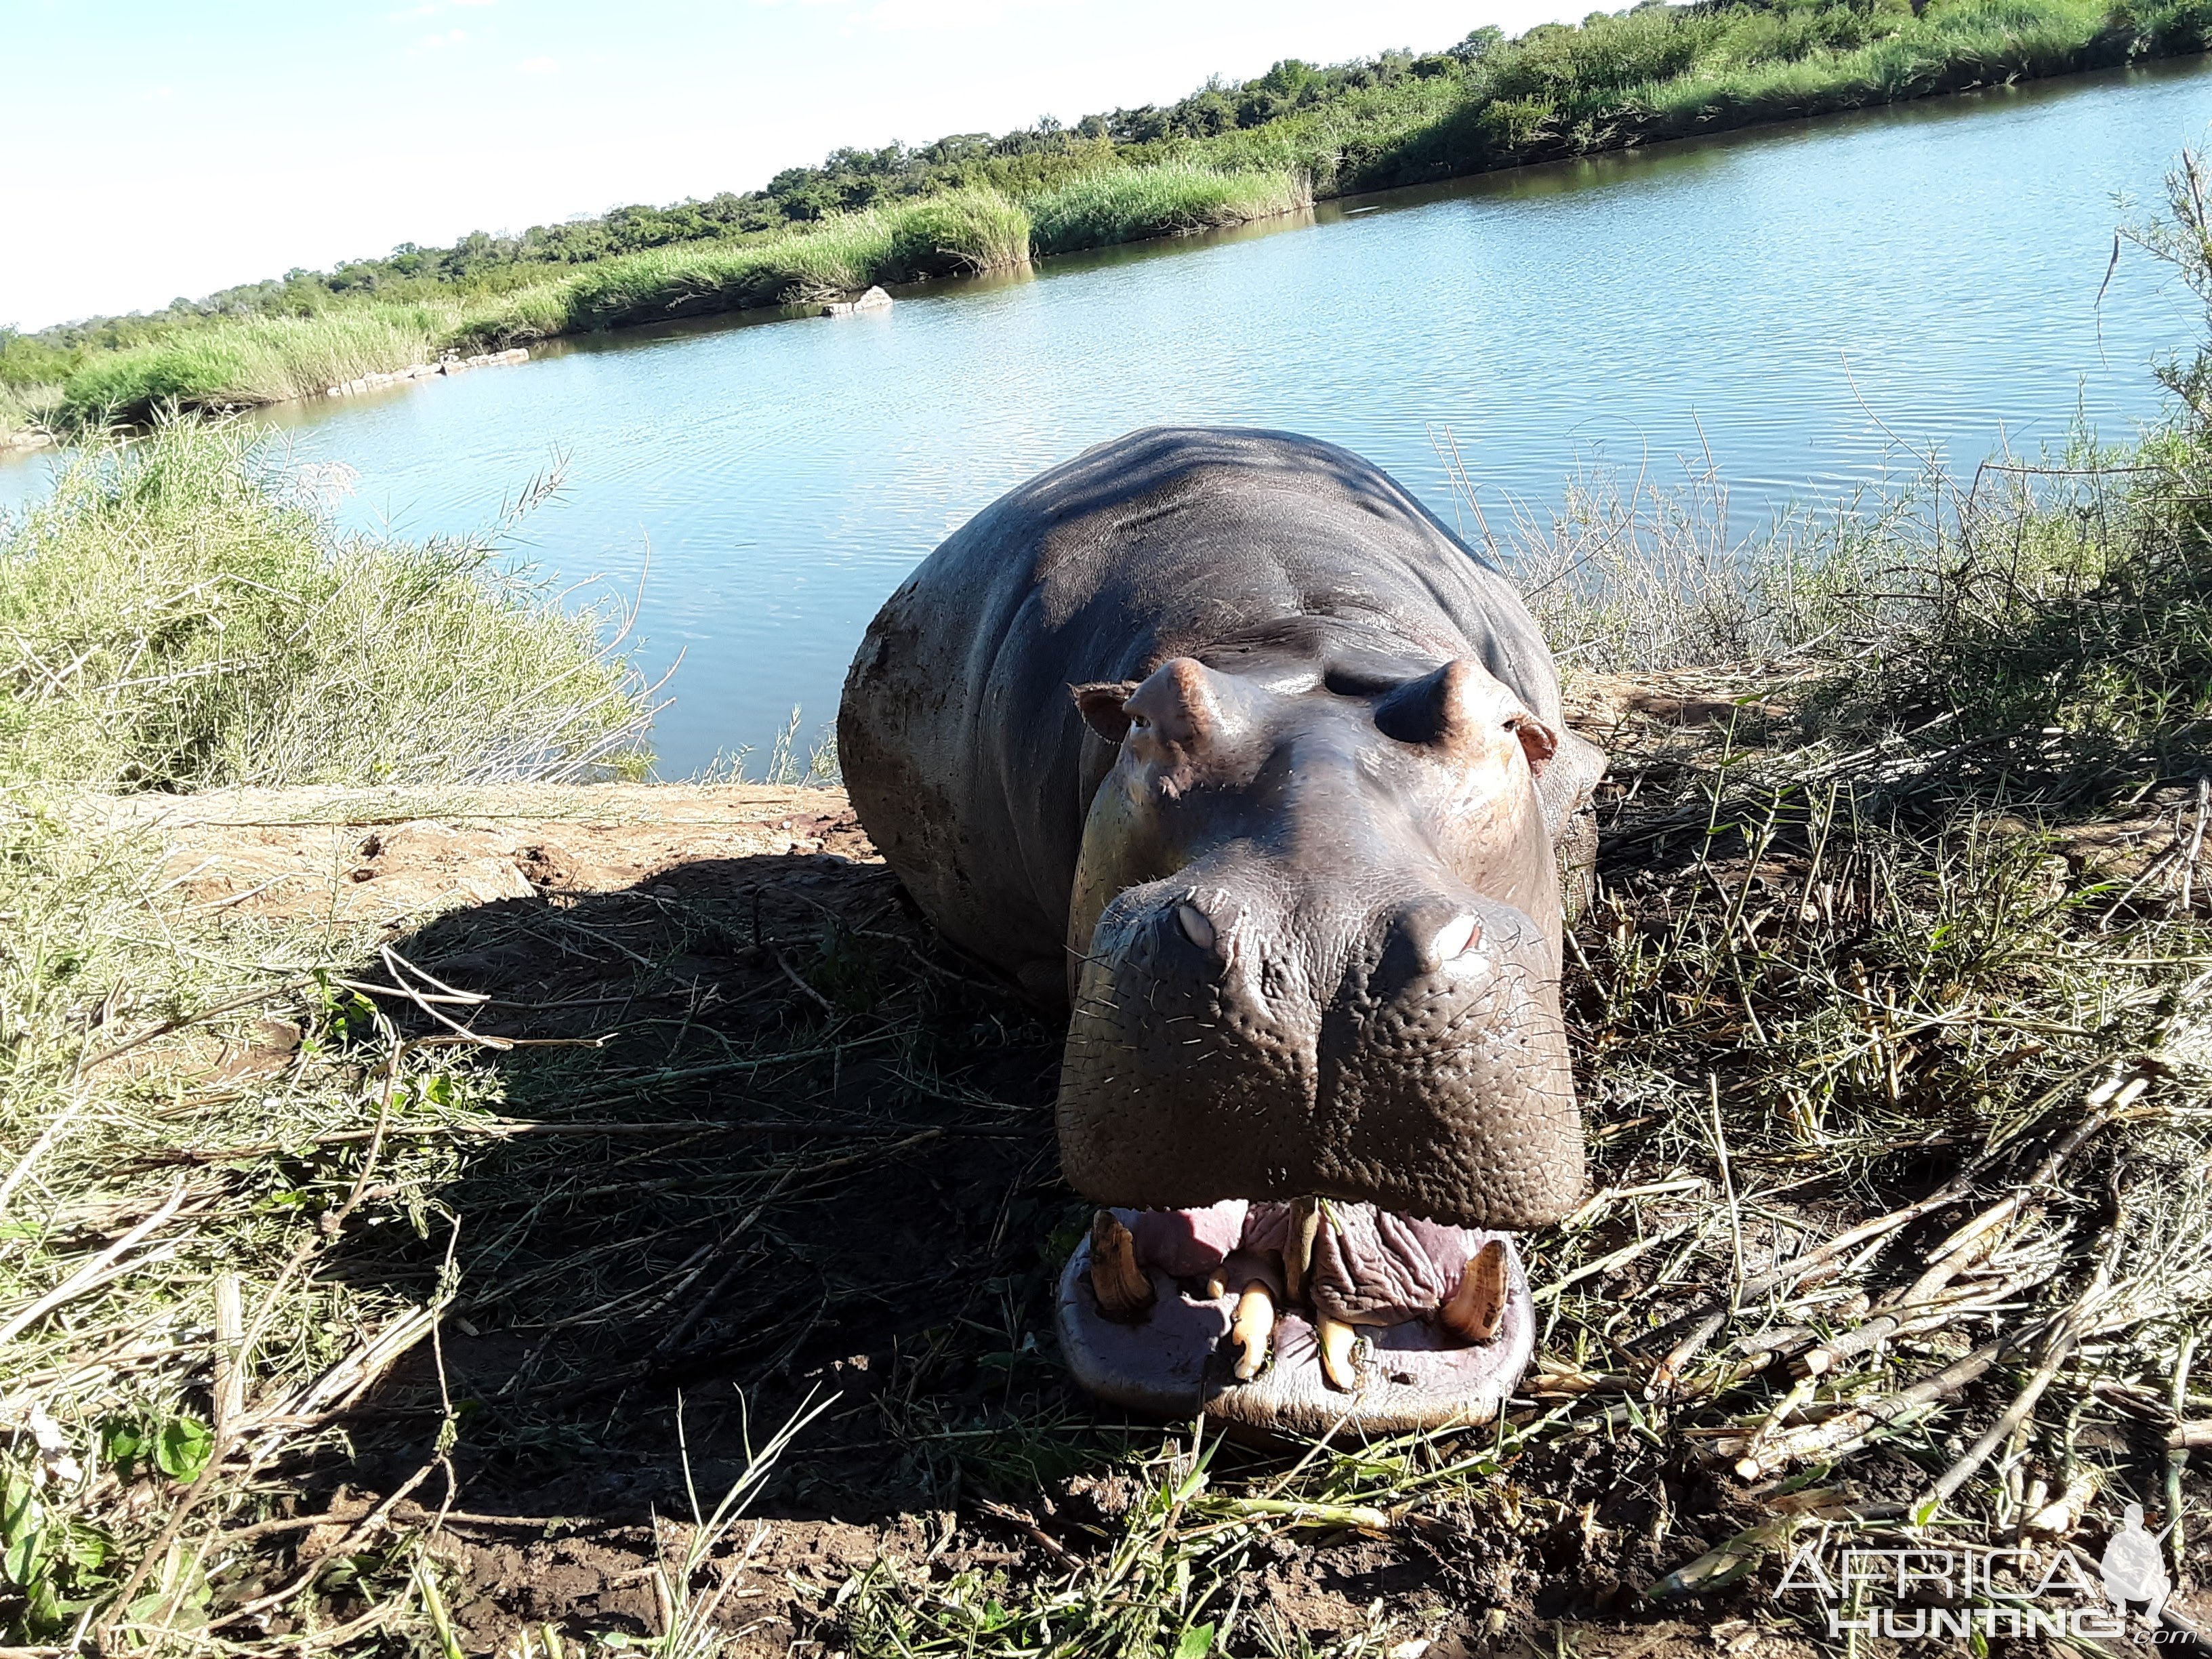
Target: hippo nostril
(1455,939)
(1195,927)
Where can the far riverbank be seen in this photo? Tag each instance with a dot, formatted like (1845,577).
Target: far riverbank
(1613,82)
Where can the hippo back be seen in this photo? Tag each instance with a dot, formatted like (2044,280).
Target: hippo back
(1255,552)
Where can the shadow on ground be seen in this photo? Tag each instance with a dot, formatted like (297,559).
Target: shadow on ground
(783,1146)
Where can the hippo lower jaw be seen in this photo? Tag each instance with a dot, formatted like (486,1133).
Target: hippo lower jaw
(1180,1355)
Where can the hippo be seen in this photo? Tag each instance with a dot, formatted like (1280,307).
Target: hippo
(1220,742)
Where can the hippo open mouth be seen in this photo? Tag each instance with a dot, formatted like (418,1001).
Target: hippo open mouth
(1223,742)
(1296,1318)
(1320,1060)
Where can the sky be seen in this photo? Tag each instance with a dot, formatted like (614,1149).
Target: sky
(160,149)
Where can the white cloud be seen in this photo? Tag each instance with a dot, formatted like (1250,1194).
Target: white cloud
(540,65)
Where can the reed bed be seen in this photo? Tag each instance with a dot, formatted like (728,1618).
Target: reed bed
(239,364)
(1177,199)
(957,233)
(1631,78)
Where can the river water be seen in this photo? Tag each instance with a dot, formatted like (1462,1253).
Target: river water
(1798,299)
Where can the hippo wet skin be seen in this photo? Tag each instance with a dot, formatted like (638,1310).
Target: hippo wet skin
(1221,741)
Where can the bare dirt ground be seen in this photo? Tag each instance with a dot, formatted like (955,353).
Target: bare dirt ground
(795,1149)
(679,917)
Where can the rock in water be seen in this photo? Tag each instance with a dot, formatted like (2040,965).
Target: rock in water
(874,300)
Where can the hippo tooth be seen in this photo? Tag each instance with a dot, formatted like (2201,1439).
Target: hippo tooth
(1453,938)
(1195,926)
(1216,1287)
(1475,1310)
(1298,1246)
(1253,1330)
(1336,1340)
(1123,1289)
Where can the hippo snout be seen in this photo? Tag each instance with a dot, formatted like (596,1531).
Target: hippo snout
(1410,1055)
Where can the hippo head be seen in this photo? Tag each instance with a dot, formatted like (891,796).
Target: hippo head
(1316,1053)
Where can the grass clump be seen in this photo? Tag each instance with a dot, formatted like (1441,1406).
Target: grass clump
(179,614)
(956,233)
(1175,199)
(233,365)
(26,408)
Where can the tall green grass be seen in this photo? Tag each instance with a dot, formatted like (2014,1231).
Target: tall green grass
(1177,199)
(25,407)
(1670,72)
(954,235)
(181,614)
(962,231)
(236,364)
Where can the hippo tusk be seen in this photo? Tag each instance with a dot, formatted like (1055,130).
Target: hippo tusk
(1253,1330)
(1299,1247)
(1455,938)
(1123,1289)
(1336,1340)
(1476,1308)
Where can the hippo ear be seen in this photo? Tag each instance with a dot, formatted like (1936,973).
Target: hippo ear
(1564,788)
(1100,705)
(1185,703)
(1460,704)
(1538,741)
